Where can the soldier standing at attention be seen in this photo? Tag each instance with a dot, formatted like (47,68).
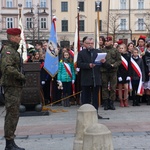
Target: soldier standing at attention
(109,74)
(12,81)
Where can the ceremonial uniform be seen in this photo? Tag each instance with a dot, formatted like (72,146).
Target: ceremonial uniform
(12,81)
(109,75)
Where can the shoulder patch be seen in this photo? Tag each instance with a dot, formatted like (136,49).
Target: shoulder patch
(7,52)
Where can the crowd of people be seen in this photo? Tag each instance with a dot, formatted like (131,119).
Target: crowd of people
(124,74)
(126,69)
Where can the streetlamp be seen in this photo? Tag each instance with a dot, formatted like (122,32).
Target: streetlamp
(98,16)
(20,6)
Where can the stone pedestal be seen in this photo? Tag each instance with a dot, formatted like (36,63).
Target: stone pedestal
(97,137)
(86,116)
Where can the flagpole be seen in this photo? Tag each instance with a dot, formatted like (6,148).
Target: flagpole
(98,32)
(20,6)
(78,26)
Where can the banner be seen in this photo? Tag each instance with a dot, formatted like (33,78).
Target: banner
(22,48)
(76,41)
(51,56)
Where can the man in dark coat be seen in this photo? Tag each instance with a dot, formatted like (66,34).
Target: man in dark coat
(12,81)
(90,74)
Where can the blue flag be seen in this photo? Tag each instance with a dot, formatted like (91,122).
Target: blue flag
(51,57)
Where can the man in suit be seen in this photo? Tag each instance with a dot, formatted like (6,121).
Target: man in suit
(90,74)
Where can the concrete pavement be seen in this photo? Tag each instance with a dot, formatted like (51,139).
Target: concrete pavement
(130,128)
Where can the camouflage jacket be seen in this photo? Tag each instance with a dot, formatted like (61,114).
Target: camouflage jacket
(10,66)
(113,60)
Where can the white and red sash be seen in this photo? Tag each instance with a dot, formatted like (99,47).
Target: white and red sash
(68,69)
(137,69)
(124,62)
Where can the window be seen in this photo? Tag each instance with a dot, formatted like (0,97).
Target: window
(123,24)
(81,6)
(9,3)
(140,24)
(29,23)
(122,4)
(81,25)
(42,3)
(64,6)
(64,25)
(98,6)
(9,22)
(43,23)
(29,3)
(140,4)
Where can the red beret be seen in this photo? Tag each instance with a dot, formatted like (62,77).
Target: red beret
(13,31)
(108,38)
(120,42)
(142,37)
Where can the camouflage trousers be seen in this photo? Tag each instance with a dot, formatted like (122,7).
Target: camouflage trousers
(12,97)
(109,83)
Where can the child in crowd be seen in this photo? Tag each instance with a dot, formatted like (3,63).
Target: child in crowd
(146,60)
(123,75)
(66,76)
(130,47)
(137,76)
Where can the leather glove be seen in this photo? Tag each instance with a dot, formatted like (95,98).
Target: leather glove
(72,81)
(119,78)
(42,82)
(128,78)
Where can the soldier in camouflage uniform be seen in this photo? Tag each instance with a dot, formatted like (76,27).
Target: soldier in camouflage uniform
(12,81)
(109,74)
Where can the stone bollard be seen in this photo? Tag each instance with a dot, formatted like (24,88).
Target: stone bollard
(86,116)
(97,137)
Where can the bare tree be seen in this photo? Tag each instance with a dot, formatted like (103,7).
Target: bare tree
(147,23)
(113,24)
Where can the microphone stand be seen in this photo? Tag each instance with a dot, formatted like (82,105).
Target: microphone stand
(93,74)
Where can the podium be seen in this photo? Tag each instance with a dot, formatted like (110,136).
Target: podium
(31,94)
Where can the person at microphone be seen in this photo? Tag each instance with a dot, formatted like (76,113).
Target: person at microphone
(90,74)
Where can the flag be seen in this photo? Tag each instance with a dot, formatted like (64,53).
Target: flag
(22,47)
(76,41)
(51,56)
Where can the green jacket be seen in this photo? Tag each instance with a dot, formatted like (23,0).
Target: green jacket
(11,66)
(62,75)
(113,60)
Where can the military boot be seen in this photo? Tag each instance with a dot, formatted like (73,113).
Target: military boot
(148,99)
(105,104)
(11,145)
(111,105)
(137,101)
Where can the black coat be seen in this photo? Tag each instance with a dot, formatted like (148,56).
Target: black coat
(88,74)
(146,61)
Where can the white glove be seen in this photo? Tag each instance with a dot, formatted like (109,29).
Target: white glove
(77,69)
(128,78)
(72,81)
(42,82)
(120,79)
(59,82)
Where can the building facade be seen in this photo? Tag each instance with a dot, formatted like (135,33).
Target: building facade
(129,19)
(66,12)
(35,15)
(123,19)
